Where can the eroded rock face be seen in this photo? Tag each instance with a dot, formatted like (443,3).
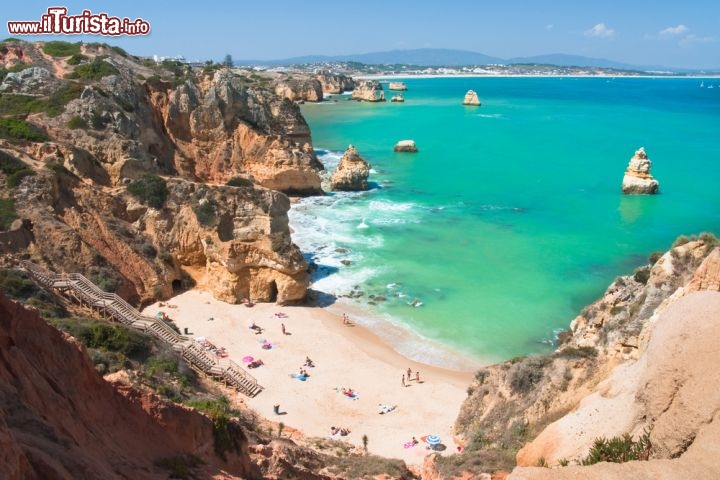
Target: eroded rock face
(239,235)
(368,91)
(32,80)
(352,172)
(397,86)
(637,179)
(471,98)
(296,89)
(335,84)
(223,128)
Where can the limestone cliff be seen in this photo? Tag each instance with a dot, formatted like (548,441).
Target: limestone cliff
(351,173)
(299,89)
(637,179)
(627,357)
(368,91)
(335,84)
(183,127)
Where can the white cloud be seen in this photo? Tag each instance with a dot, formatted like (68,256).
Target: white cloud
(672,31)
(549,26)
(600,30)
(693,39)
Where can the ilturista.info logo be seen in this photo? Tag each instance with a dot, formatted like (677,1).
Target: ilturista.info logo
(57,22)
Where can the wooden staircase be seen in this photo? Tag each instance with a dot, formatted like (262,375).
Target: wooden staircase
(78,288)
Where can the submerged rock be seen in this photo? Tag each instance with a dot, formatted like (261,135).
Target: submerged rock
(471,98)
(406,146)
(352,172)
(637,179)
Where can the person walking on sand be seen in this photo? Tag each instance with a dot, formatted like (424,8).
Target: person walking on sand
(409,374)
(282,325)
(403,380)
(417,377)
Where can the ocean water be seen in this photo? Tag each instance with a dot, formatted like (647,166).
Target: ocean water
(510,218)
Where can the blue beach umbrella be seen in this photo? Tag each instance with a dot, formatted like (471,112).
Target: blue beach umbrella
(433,440)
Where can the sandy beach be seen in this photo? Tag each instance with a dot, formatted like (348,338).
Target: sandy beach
(349,357)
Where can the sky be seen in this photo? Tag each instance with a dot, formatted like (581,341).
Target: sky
(670,33)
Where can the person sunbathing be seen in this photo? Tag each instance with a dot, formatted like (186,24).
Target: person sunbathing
(308,362)
(258,330)
(256,363)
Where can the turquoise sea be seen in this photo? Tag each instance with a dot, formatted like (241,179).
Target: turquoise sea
(510,218)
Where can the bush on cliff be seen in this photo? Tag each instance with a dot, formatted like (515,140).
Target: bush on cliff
(61,49)
(619,449)
(150,190)
(226,433)
(14,129)
(15,169)
(94,70)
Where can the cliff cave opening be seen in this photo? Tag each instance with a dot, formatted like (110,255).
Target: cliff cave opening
(177,286)
(273,291)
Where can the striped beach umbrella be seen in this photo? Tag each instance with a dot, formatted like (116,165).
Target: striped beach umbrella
(433,440)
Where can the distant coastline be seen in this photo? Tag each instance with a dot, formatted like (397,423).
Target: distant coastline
(394,76)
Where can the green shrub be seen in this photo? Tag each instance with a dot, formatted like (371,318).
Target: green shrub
(16,284)
(161,364)
(642,275)
(13,180)
(77,59)
(527,373)
(205,213)
(150,190)
(681,240)
(77,122)
(61,49)
(654,257)
(13,128)
(13,40)
(94,70)
(226,433)
(119,51)
(9,164)
(114,338)
(7,213)
(619,449)
(579,352)
(11,104)
(104,278)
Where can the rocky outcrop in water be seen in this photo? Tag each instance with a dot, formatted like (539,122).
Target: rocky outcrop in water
(471,98)
(300,89)
(397,98)
(637,179)
(352,172)
(368,91)
(397,86)
(406,146)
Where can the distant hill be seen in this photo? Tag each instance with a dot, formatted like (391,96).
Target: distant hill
(434,57)
(565,60)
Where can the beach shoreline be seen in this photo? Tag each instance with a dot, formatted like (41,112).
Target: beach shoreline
(344,356)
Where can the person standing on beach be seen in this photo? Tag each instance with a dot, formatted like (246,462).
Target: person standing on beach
(417,377)
(409,374)
(403,380)
(283,328)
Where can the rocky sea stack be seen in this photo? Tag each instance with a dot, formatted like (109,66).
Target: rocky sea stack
(471,98)
(406,146)
(637,179)
(352,172)
(368,91)
(397,86)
